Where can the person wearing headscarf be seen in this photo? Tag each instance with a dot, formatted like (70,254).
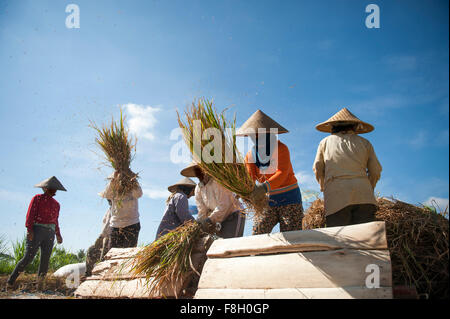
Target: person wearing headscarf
(269,164)
(42,227)
(347,170)
(124,222)
(177,206)
(219,211)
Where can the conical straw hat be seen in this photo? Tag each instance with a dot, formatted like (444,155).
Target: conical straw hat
(189,171)
(182,182)
(345,116)
(259,120)
(51,183)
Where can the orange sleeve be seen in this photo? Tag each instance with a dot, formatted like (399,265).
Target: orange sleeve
(282,177)
(251,167)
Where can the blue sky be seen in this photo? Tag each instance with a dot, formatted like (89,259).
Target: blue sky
(298,61)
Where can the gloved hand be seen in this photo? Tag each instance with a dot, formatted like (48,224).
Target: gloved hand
(208,226)
(259,193)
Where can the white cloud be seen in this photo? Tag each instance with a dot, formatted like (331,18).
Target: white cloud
(439,203)
(155,193)
(141,120)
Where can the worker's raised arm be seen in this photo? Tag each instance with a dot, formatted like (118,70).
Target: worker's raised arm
(108,193)
(137,192)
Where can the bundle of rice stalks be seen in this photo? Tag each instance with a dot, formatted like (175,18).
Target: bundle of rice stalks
(224,164)
(418,239)
(118,149)
(167,261)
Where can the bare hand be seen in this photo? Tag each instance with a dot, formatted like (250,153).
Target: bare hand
(59,239)
(208,226)
(30,236)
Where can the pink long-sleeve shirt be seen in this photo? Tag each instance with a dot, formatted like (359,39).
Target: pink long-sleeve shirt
(43,209)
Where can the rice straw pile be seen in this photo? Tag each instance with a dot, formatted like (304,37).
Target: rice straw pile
(315,216)
(229,169)
(167,261)
(118,148)
(418,240)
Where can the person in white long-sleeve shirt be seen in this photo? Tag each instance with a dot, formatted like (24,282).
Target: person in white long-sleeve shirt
(124,220)
(219,210)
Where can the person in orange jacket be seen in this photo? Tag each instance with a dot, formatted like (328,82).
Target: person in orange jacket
(269,164)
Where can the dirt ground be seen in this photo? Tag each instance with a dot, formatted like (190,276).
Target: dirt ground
(26,287)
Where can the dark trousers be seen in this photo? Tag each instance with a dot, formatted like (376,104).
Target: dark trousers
(43,238)
(233,226)
(125,237)
(352,214)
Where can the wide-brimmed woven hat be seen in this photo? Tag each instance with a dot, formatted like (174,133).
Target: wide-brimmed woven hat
(182,182)
(344,116)
(189,171)
(259,120)
(51,183)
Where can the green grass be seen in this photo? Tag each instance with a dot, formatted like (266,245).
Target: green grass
(5,258)
(10,257)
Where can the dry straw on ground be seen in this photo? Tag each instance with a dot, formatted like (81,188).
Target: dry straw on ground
(228,167)
(118,148)
(52,287)
(168,260)
(418,240)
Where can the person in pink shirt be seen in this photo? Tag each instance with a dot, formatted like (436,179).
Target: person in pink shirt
(42,227)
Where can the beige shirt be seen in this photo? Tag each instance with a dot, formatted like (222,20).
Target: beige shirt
(215,201)
(347,170)
(124,212)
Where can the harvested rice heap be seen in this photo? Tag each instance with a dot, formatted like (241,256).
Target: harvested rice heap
(118,148)
(418,243)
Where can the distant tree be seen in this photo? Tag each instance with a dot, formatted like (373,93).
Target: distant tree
(81,255)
